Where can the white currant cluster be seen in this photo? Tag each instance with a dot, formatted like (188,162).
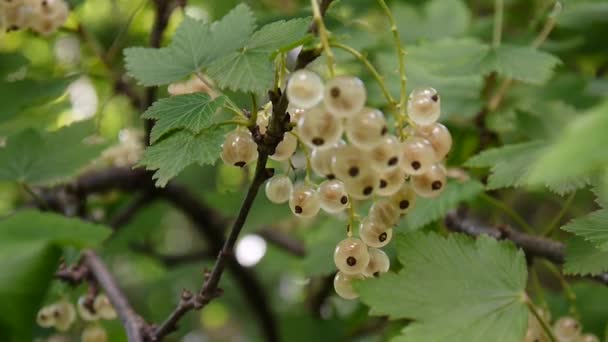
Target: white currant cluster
(565,329)
(62,315)
(41,16)
(127,152)
(353,151)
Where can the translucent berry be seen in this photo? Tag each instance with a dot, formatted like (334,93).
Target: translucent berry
(417,155)
(386,155)
(390,181)
(319,129)
(431,183)
(262,122)
(239,149)
(10,3)
(343,285)
(384,212)
(366,128)
(85,312)
(533,335)
(345,95)
(45,317)
(404,199)
(378,263)
(351,256)
(286,148)
(374,233)
(567,329)
(320,160)
(350,163)
(304,89)
(440,138)
(279,188)
(304,201)
(333,196)
(295,113)
(588,338)
(65,315)
(424,106)
(94,333)
(104,308)
(364,186)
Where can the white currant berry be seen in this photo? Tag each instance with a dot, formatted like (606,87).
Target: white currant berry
(333,196)
(424,106)
(304,201)
(4,4)
(295,113)
(65,315)
(588,338)
(567,329)
(404,199)
(440,138)
(45,317)
(417,155)
(351,256)
(366,128)
(279,189)
(94,333)
(431,183)
(104,308)
(319,129)
(364,186)
(239,149)
(533,335)
(391,181)
(384,212)
(262,121)
(378,263)
(387,154)
(345,95)
(321,159)
(343,285)
(304,89)
(350,163)
(86,313)
(22,16)
(286,148)
(374,233)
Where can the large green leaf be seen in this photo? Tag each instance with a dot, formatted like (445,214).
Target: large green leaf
(437,19)
(31,225)
(577,152)
(510,167)
(521,63)
(194,112)
(454,289)
(15,96)
(592,227)
(428,210)
(583,258)
(174,153)
(11,62)
(47,157)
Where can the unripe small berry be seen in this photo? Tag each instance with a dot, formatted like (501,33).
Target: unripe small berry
(345,95)
(351,256)
(424,106)
(386,155)
(239,149)
(378,263)
(391,181)
(404,199)
(84,311)
(374,233)
(304,201)
(333,196)
(343,285)
(279,189)
(104,308)
(319,129)
(431,183)
(366,128)
(567,329)
(384,212)
(94,333)
(304,89)
(417,155)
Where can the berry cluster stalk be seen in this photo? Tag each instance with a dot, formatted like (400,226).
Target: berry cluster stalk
(324,36)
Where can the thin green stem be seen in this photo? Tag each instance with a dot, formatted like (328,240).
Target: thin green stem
(499,8)
(235,111)
(508,211)
(39,200)
(324,36)
(254,110)
(570,295)
(352,217)
(560,215)
(541,320)
(538,289)
(370,67)
(401,58)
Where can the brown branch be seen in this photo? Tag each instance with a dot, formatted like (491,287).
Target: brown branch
(126,213)
(533,246)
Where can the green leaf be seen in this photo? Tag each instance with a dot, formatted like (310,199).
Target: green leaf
(510,167)
(31,225)
(16,96)
(194,46)
(174,153)
(454,289)
(521,63)
(583,258)
(577,152)
(49,157)
(11,62)
(428,210)
(278,35)
(248,71)
(437,19)
(592,227)
(29,270)
(194,112)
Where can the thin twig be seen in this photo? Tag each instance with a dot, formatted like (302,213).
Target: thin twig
(498,16)
(508,211)
(560,215)
(543,323)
